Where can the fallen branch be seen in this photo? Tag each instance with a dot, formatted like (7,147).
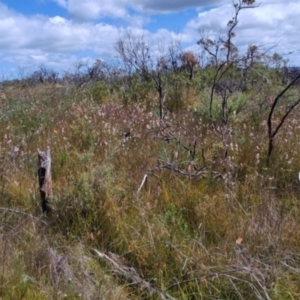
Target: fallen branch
(22,213)
(142,184)
(166,134)
(130,274)
(192,169)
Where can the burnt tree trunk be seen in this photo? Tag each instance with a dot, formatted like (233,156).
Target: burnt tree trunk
(45,180)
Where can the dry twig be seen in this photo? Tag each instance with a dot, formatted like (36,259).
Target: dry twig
(131,275)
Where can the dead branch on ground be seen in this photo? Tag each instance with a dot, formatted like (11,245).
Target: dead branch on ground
(130,274)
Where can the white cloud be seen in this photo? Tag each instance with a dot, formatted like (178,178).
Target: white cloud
(173,5)
(57,20)
(63,3)
(273,24)
(56,41)
(40,58)
(35,40)
(93,9)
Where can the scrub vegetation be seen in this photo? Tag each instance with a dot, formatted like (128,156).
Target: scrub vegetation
(175,176)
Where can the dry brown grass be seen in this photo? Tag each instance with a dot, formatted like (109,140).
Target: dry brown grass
(232,234)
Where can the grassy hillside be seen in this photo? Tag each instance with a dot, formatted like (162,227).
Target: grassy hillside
(203,225)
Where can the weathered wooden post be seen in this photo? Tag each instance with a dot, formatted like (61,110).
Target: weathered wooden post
(45,180)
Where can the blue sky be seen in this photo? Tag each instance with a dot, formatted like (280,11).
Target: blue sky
(57,34)
(34,7)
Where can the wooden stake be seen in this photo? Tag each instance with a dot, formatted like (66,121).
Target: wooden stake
(45,180)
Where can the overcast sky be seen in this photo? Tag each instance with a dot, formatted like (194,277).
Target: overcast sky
(57,34)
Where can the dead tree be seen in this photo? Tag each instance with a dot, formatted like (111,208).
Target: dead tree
(45,180)
(222,52)
(272,133)
(150,63)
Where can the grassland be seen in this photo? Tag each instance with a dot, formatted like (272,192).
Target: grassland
(204,225)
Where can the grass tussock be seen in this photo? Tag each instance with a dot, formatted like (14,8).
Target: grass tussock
(228,232)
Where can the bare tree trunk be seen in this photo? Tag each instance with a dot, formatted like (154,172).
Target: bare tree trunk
(272,133)
(161,103)
(45,180)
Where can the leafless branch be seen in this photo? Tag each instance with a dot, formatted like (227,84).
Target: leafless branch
(271,133)
(5,209)
(130,274)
